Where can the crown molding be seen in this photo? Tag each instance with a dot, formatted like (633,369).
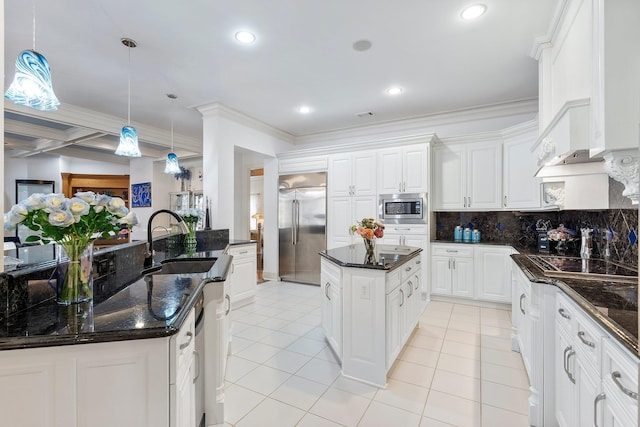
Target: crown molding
(220,110)
(543,42)
(416,125)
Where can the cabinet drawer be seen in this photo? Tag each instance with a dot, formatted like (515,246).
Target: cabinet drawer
(331,272)
(620,375)
(393,279)
(565,312)
(588,339)
(405,229)
(243,251)
(452,250)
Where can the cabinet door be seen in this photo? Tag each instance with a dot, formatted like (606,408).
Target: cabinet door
(416,169)
(390,171)
(339,221)
(395,301)
(335,311)
(362,207)
(462,277)
(586,389)
(521,188)
(614,415)
(243,282)
(564,387)
(493,274)
(364,174)
(339,176)
(484,178)
(185,399)
(449,177)
(441,275)
(326,311)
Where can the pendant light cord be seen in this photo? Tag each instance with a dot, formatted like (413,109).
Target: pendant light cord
(129,96)
(34,25)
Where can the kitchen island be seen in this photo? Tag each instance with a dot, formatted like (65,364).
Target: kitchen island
(371,305)
(134,357)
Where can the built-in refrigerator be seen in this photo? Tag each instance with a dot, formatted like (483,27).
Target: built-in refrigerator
(302,219)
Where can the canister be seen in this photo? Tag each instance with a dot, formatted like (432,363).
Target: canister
(457,234)
(466,235)
(475,236)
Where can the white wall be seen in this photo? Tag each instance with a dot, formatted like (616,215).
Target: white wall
(142,170)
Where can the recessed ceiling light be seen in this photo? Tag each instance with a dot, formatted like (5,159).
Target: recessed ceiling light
(245,37)
(304,109)
(473,12)
(396,90)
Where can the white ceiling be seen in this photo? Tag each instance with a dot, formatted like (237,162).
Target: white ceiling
(303,55)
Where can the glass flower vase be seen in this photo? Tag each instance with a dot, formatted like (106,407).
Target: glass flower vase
(190,241)
(370,245)
(75,272)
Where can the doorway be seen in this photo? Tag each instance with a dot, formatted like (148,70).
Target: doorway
(256,216)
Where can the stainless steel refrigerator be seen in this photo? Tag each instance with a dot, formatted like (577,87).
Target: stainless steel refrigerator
(302,222)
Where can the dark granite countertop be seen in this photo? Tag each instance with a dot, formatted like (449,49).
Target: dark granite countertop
(613,304)
(153,306)
(386,257)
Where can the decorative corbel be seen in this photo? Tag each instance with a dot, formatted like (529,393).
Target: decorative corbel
(622,166)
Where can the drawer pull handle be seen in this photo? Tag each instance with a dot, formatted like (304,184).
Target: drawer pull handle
(326,291)
(229,304)
(452,251)
(569,356)
(584,341)
(598,398)
(522,297)
(563,313)
(196,362)
(243,252)
(407,269)
(616,379)
(402,303)
(418,262)
(186,344)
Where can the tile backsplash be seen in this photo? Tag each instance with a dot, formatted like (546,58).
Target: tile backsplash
(519,229)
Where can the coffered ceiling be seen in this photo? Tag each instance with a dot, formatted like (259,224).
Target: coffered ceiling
(304,54)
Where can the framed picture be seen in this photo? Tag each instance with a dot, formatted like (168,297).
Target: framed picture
(141,195)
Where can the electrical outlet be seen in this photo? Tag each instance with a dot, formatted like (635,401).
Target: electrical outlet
(365,292)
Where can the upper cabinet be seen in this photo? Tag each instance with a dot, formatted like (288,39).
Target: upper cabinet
(352,174)
(521,189)
(467,176)
(403,169)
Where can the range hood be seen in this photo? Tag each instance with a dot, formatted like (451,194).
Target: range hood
(562,149)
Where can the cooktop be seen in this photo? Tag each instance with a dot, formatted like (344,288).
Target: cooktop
(587,269)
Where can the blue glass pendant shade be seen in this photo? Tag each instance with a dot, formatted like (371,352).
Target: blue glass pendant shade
(32,85)
(172,166)
(128,143)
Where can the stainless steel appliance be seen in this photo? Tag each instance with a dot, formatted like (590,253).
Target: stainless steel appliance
(403,208)
(302,218)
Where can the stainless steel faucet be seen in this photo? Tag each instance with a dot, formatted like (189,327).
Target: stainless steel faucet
(148,254)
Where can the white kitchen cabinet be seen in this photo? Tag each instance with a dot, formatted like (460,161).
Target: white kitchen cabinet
(403,169)
(619,384)
(522,190)
(343,212)
(396,320)
(331,311)
(493,273)
(467,176)
(452,270)
(242,281)
(352,174)
(147,382)
(564,381)
(182,373)
(521,317)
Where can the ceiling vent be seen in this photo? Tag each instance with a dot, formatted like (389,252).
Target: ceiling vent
(365,114)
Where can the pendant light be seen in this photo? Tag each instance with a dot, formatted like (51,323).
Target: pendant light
(128,135)
(31,84)
(172,166)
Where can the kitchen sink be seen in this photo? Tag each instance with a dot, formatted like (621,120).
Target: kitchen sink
(186,266)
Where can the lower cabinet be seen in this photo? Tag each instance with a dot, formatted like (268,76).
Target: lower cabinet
(331,311)
(480,272)
(243,278)
(147,382)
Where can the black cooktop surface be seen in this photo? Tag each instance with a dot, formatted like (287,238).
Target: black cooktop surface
(588,269)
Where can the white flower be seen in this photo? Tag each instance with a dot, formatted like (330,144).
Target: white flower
(8,224)
(78,207)
(130,219)
(61,218)
(115,205)
(54,202)
(34,202)
(87,196)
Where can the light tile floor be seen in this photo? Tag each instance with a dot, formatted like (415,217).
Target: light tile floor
(457,369)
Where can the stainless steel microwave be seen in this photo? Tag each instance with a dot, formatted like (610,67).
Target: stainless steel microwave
(403,208)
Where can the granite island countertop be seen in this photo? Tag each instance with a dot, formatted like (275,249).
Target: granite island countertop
(613,304)
(385,257)
(152,306)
